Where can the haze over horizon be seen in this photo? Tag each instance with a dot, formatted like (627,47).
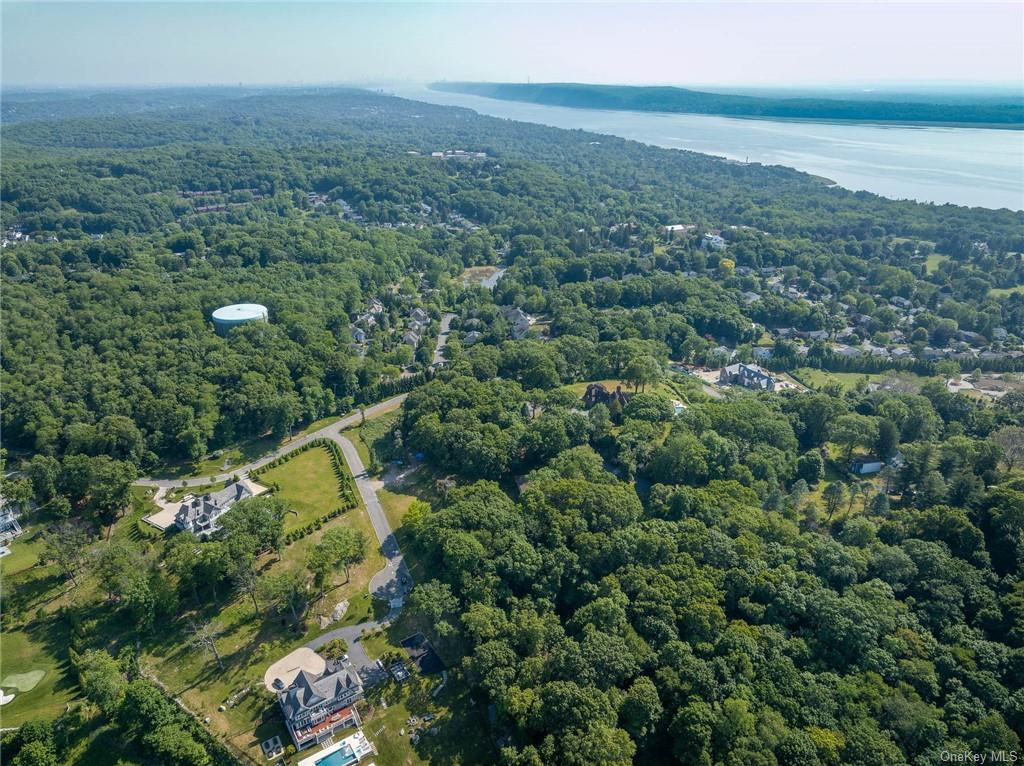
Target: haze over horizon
(827,44)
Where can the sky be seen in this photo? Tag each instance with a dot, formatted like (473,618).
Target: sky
(686,43)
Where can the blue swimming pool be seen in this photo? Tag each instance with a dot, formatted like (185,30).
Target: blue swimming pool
(342,757)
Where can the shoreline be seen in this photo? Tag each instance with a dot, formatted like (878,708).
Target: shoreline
(1015,126)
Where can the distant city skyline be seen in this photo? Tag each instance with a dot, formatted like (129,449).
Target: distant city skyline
(798,44)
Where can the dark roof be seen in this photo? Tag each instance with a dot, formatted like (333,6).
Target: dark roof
(309,690)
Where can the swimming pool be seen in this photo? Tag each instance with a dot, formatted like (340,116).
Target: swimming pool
(341,757)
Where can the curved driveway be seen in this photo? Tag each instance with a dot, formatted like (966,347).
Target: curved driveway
(390,584)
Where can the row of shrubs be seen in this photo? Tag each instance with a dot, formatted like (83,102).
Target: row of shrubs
(346,484)
(386,389)
(347,491)
(297,534)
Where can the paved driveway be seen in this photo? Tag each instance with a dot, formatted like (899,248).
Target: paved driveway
(346,422)
(390,584)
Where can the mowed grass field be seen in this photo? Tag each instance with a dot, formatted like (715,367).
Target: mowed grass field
(23,655)
(308,484)
(815,378)
(248,642)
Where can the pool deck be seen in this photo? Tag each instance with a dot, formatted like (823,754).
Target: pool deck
(357,743)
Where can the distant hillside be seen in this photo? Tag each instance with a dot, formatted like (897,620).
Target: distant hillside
(669,99)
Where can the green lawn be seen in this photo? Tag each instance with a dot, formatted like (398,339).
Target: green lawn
(660,388)
(932,262)
(38,647)
(308,484)
(1002,292)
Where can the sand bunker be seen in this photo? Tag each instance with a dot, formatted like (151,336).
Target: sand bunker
(5,698)
(23,682)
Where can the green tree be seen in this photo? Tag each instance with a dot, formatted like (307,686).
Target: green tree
(101,680)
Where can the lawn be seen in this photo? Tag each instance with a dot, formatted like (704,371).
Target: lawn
(1002,292)
(308,484)
(25,551)
(659,388)
(27,653)
(933,261)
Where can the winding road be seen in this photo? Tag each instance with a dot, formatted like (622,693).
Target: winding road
(390,584)
(332,432)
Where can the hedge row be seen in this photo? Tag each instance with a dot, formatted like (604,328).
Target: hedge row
(346,484)
(380,391)
(347,490)
(297,534)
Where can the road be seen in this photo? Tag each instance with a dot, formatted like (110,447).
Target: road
(442,339)
(330,431)
(390,584)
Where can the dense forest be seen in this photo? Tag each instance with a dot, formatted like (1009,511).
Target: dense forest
(670,99)
(665,577)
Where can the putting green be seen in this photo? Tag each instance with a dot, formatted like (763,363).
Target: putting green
(23,682)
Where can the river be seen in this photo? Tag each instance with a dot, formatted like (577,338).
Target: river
(976,167)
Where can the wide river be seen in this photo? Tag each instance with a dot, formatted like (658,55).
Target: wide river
(965,166)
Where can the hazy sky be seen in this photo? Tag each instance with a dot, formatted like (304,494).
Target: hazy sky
(757,43)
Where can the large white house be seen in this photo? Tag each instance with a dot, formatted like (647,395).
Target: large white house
(9,526)
(315,705)
(198,514)
(748,376)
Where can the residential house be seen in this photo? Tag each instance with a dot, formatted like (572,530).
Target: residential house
(518,320)
(900,302)
(748,376)
(199,514)
(816,335)
(901,352)
(845,351)
(762,353)
(367,319)
(863,466)
(419,315)
(722,352)
(358,334)
(317,705)
(471,337)
(999,334)
(750,297)
(375,307)
(597,393)
(712,241)
(411,338)
(9,526)
(674,230)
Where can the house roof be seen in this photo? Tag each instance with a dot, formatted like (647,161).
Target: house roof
(310,689)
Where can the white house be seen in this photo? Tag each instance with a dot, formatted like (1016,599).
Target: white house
(712,242)
(199,514)
(315,705)
(864,466)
